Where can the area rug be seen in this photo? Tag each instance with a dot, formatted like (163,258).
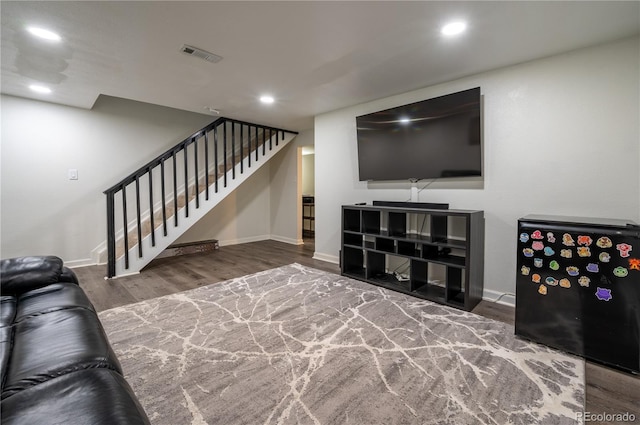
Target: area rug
(295,345)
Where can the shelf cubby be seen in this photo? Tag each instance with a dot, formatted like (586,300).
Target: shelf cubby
(353,239)
(371,222)
(438,252)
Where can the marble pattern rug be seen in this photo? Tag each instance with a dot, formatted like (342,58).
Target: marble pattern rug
(295,345)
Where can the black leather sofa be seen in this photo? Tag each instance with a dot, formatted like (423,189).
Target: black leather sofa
(57,364)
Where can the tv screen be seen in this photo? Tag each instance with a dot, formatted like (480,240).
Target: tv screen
(437,137)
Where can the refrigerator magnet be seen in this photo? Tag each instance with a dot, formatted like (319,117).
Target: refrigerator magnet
(537,245)
(604,242)
(551,281)
(542,290)
(535,278)
(593,267)
(553,265)
(566,253)
(584,251)
(537,262)
(525,270)
(567,240)
(537,234)
(548,251)
(604,257)
(528,252)
(584,281)
(524,237)
(620,272)
(565,283)
(624,249)
(634,264)
(573,271)
(603,294)
(584,240)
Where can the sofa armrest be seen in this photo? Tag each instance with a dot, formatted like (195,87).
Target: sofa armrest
(21,274)
(68,275)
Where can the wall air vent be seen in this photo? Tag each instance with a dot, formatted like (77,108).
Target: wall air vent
(199,53)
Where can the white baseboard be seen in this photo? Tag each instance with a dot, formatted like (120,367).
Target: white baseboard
(494,297)
(245,240)
(326,257)
(80,263)
(290,241)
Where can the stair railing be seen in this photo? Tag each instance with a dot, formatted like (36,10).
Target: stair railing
(202,161)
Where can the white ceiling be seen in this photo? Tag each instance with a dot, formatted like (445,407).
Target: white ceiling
(313,56)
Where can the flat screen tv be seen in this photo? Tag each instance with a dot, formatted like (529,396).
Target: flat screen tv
(433,138)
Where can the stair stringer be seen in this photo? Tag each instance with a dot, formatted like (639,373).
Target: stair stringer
(150,252)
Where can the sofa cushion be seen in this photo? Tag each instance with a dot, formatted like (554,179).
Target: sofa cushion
(7,310)
(87,397)
(5,350)
(18,275)
(53,344)
(58,296)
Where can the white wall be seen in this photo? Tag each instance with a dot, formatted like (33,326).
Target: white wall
(308,174)
(243,216)
(42,212)
(266,206)
(561,136)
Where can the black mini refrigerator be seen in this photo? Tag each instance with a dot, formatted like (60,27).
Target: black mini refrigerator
(578,287)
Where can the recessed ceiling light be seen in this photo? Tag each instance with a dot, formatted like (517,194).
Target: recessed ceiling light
(45,34)
(267,100)
(454,28)
(40,89)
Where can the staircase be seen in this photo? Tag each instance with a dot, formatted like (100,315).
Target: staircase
(149,209)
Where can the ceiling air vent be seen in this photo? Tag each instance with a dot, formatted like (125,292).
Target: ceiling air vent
(199,53)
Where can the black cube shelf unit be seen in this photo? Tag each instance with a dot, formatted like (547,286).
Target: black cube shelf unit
(435,254)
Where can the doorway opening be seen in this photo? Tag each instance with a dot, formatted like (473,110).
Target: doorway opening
(308,195)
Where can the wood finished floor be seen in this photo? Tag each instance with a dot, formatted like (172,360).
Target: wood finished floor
(607,390)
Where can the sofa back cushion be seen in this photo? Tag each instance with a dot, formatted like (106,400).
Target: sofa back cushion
(18,275)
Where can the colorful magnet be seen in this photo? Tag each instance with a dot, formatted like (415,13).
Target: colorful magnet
(537,262)
(552,281)
(542,290)
(565,283)
(603,294)
(584,281)
(573,271)
(624,249)
(553,265)
(593,267)
(550,237)
(620,272)
(524,237)
(567,240)
(634,264)
(604,257)
(528,252)
(548,251)
(566,253)
(604,242)
(537,234)
(584,251)
(525,270)
(584,240)
(537,245)
(535,278)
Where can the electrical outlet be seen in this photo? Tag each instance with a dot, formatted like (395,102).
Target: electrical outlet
(73,174)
